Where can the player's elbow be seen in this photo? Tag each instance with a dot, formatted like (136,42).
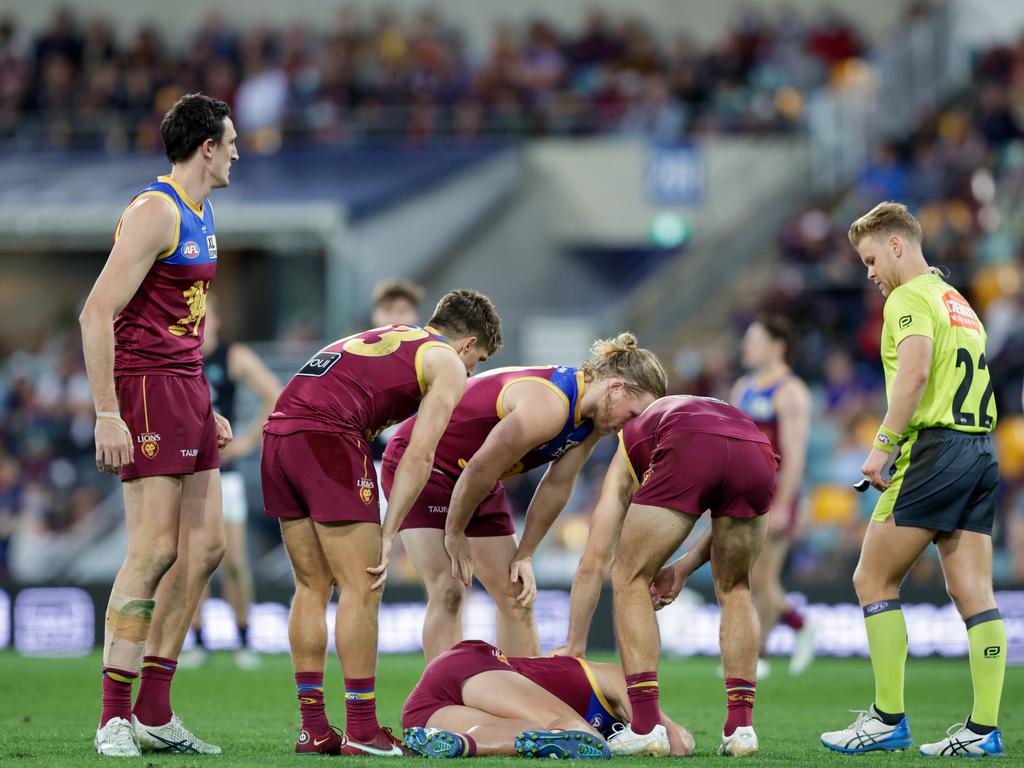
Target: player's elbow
(92,314)
(917,377)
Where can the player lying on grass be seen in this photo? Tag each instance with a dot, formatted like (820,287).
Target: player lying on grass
(472,700)
(680,457)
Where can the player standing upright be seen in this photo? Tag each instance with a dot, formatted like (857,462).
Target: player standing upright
(941,487)
(778,402)
(142,327)
(318,479)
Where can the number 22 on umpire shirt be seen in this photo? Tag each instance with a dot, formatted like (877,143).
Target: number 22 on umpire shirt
(959,391)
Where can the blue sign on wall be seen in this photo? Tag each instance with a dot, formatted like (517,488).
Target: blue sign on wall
(675,175)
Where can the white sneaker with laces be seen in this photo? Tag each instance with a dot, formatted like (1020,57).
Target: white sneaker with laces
(742,742)
(961,741)
(171,737)
(804,649)
(117,739)
(624,741)
(869,733)
(247,660)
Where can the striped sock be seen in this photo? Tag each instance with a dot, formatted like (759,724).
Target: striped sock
(739,703)
(117,694)
(361,709)
(468,745)
(309,687)
(643,696)
(887,642)
(153,704)
(986,637)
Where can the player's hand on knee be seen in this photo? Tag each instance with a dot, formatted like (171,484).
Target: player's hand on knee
(522,571)
(457,547)
(114,448)
(224,433)
(381,570)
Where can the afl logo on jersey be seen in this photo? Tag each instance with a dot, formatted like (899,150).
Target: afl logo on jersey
(190,250)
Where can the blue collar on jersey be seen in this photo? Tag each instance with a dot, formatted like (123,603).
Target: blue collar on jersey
(572,434)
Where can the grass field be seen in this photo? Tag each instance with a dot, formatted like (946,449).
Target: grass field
(48,709)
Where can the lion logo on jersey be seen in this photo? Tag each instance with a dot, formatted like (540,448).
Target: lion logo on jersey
(195,300)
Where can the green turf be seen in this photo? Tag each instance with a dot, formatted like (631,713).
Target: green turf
(48,709)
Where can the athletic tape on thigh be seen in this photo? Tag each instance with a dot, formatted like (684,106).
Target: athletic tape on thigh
(125,631)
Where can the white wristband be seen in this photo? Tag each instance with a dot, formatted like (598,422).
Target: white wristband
(108,414)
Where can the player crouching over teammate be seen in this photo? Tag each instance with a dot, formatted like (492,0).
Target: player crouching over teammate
(942,487)
(473,700)
(680,457)
(318,478)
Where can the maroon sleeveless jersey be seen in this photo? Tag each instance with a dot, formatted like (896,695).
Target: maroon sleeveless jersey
(363,383)
(161,329)
(683,413)
(481,409)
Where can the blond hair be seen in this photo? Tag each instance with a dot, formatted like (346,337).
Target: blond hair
(639,368)
(884,219)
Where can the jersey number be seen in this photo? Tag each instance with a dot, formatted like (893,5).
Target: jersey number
(388,342)
(963,357)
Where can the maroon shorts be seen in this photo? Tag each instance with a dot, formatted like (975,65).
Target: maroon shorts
(328,476)
(442,680)
(171,419)
(492,518)
(694,471)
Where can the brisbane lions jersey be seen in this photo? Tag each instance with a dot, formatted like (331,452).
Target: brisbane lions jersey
(161,329)
(363,383)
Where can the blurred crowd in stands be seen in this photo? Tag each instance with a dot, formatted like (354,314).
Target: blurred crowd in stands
(381,75)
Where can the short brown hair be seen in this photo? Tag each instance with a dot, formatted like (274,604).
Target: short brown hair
(396,288)
(623,357)
(463,312)
(886,218)
(192,119)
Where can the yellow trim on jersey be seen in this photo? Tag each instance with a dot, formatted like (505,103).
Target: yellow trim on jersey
(592,679)
(629,464)
(499,404)
(177,214)
(581,385)
(197,209)
(419,360)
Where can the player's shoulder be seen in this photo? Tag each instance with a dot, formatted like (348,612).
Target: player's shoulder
(151,207)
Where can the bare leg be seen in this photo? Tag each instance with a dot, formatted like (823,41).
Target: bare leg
(351,548)
(493,735)
(766,583)
(735,545)
(517,627)
(307,627)
(200,549)
(967,564)
(442,626)
(649,536)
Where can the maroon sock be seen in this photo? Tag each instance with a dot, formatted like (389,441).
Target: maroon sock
(361,709)
(643,696)
(153,704)
(792,618)
(117,694)
(739,699)
(309,686)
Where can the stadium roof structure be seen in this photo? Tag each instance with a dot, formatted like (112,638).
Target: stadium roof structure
(56,195)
